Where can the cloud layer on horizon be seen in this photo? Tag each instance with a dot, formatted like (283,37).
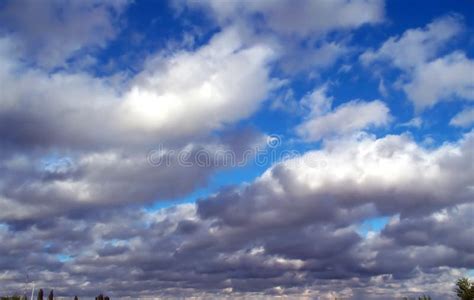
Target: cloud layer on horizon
(292,229)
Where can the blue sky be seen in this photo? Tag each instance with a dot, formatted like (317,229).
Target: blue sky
(313,149)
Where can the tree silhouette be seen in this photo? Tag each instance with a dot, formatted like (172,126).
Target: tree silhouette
(40,294)
(464,289)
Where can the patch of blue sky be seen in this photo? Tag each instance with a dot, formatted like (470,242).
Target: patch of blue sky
(219,180)
(54,162)
(189,198)
(64,257)
(3,226)
(374,225)
(470,273)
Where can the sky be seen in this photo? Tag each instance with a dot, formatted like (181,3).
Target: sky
(236,149)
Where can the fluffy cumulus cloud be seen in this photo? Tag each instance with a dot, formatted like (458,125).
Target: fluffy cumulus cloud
(431,78)
(82,142)
(446,78)
(292,231)
(121,182)
(345,119)
(220,83)
(97,134)
(73,185)
(175,95)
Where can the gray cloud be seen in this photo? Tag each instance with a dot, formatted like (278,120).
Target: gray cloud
(37,187)
(300,31)
(76,175)
(288,232)
(304,18)
(174,98)
(50,32)
(73,142)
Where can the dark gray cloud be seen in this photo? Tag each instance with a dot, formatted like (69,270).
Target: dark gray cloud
(81,185)
(285,233)
(74,144)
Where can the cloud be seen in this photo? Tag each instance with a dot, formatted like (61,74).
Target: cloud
(77,176)
(49,33)
(345,119)
(75,149)
(356,167)
(300,31)
(75,145)
(416,122)
(429,78)
(444,79)
(382,88)
(220,83)
(448,228)
(302,19)
(175,96)
(416,46)
(297,58)
(36,187)
(465,118)
(292,231)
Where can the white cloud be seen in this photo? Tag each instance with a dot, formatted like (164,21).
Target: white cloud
(108,129)
(465,118)
(50,32)
(301,18)
(443,79)
(415,46)
(415,122)
(382,88)
(300,29)
(345,119)
(293,230)
(360,168)
(220,83)
(318,102)
(189,92)
(428,78)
